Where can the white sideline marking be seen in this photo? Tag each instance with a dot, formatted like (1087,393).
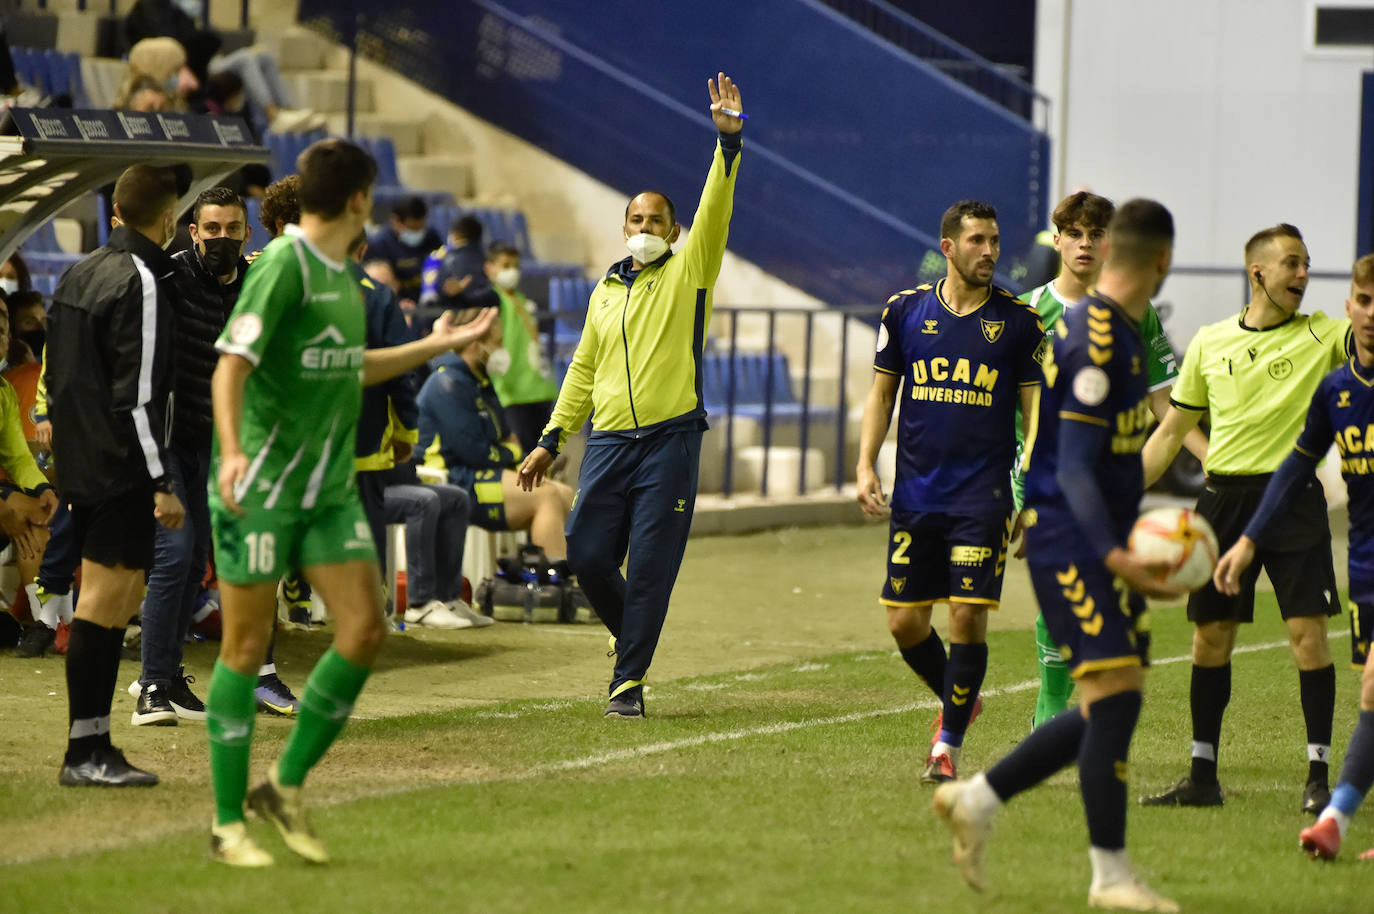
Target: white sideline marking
(619,755)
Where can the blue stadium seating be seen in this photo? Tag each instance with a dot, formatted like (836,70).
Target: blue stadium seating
(753,371)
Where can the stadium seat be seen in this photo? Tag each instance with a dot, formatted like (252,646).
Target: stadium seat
(258,234)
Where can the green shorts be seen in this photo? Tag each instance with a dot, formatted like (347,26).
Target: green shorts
(264,544)
(488,501)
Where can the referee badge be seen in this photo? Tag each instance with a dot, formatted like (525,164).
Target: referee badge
(992,330)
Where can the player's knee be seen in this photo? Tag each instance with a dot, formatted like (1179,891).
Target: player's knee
(1212,643)
(588,558)
(1308,641)
(909,627)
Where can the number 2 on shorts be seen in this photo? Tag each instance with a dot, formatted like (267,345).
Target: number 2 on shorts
(903,541)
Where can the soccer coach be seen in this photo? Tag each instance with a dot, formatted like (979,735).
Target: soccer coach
(638,369)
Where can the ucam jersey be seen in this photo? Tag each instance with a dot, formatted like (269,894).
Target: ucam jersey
(300,321)
(1342,411)
(962,375)
(1096,377)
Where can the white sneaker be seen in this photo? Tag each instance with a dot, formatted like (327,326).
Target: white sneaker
(970,831)
(135,689)
(435,614)
(1130,895)
(463,611)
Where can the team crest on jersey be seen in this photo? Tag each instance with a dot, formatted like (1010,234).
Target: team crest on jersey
(898,585)
(245,329)
(930,327)
(992,329)
(1343,400)
(1280,369)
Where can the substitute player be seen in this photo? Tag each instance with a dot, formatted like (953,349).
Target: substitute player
(967,351)
(1256,373)
(1080,226)
(287,392)
(1083,492)
(1342,411)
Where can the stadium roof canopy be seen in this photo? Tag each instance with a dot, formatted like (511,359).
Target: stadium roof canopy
(50,157)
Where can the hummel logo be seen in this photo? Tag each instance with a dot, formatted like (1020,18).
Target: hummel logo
(330,333)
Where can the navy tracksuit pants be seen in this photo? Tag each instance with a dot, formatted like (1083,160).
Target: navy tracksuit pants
(633,495)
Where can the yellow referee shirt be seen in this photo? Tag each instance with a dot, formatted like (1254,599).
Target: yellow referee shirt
(1258,385)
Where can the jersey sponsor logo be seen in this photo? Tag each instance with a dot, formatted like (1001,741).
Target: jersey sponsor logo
(1356,447)
(931,327)
(1132,428)
(969,555)
(1343,400)
(1044,351)
(317,357)
(1280,369)
(1091,385)
(329,296)
(992,330)
(882,337)
(245,329)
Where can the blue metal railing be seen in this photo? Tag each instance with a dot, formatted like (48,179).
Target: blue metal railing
(951,58)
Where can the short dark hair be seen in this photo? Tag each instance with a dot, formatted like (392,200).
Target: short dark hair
(1139,231)
(217,196)
(281,203)
(500,249)
(672,210)
(1085,209)
(331,171)
(1264,236)
(410,208)
(222,86)
(469,227)
(953,219)
(23,300)
(21,272)
(1362,273)
(143,193)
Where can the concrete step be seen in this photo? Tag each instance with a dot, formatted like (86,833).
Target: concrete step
(450,173)
(406,135)
(296,48)
(326,91)
(77,32)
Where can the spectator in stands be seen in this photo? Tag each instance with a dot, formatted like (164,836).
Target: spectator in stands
(405,243)
(454,275)
(110,393)
(28,333)
(519,371)
(146,95)
(380,272)
(15,276)
(260,82)
(224,95)
(168,19)
(206,283)
(163,61)
(463,432)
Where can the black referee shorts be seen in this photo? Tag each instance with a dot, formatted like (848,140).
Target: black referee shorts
(1297,556)
(120,530)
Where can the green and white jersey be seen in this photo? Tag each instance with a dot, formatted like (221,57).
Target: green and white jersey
(300,320)
(1161,369)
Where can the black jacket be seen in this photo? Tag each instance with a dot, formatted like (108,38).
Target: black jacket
(202,305)
(386,326)
(109,369)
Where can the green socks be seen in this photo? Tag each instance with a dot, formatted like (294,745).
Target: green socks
(1056,685)
(330,691)
(230,709)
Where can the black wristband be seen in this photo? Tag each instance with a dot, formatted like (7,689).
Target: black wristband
(164,485)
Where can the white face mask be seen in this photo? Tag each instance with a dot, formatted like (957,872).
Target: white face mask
(508,278)
(498,363)
(646,248)
(10,286)
(411,237)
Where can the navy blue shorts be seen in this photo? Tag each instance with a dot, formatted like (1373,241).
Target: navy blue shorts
(488,501)
(1097,623)
(933,557)
(1361,602)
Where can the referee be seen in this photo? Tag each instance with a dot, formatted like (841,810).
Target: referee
(1256,374)
(638,365)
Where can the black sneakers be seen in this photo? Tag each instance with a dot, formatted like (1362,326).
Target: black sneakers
(1316,796)
(183,700)
(106,767)
(154,707)
(629,703)
(38,640)
(1186,793)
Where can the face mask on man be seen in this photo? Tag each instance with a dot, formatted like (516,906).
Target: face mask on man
(646,248)
(9,285)
(508,278)
(221,255)
(411,238)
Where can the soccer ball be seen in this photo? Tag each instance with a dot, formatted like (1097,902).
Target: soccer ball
(1182,538)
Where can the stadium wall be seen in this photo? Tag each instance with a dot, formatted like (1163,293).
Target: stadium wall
(1218,109)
